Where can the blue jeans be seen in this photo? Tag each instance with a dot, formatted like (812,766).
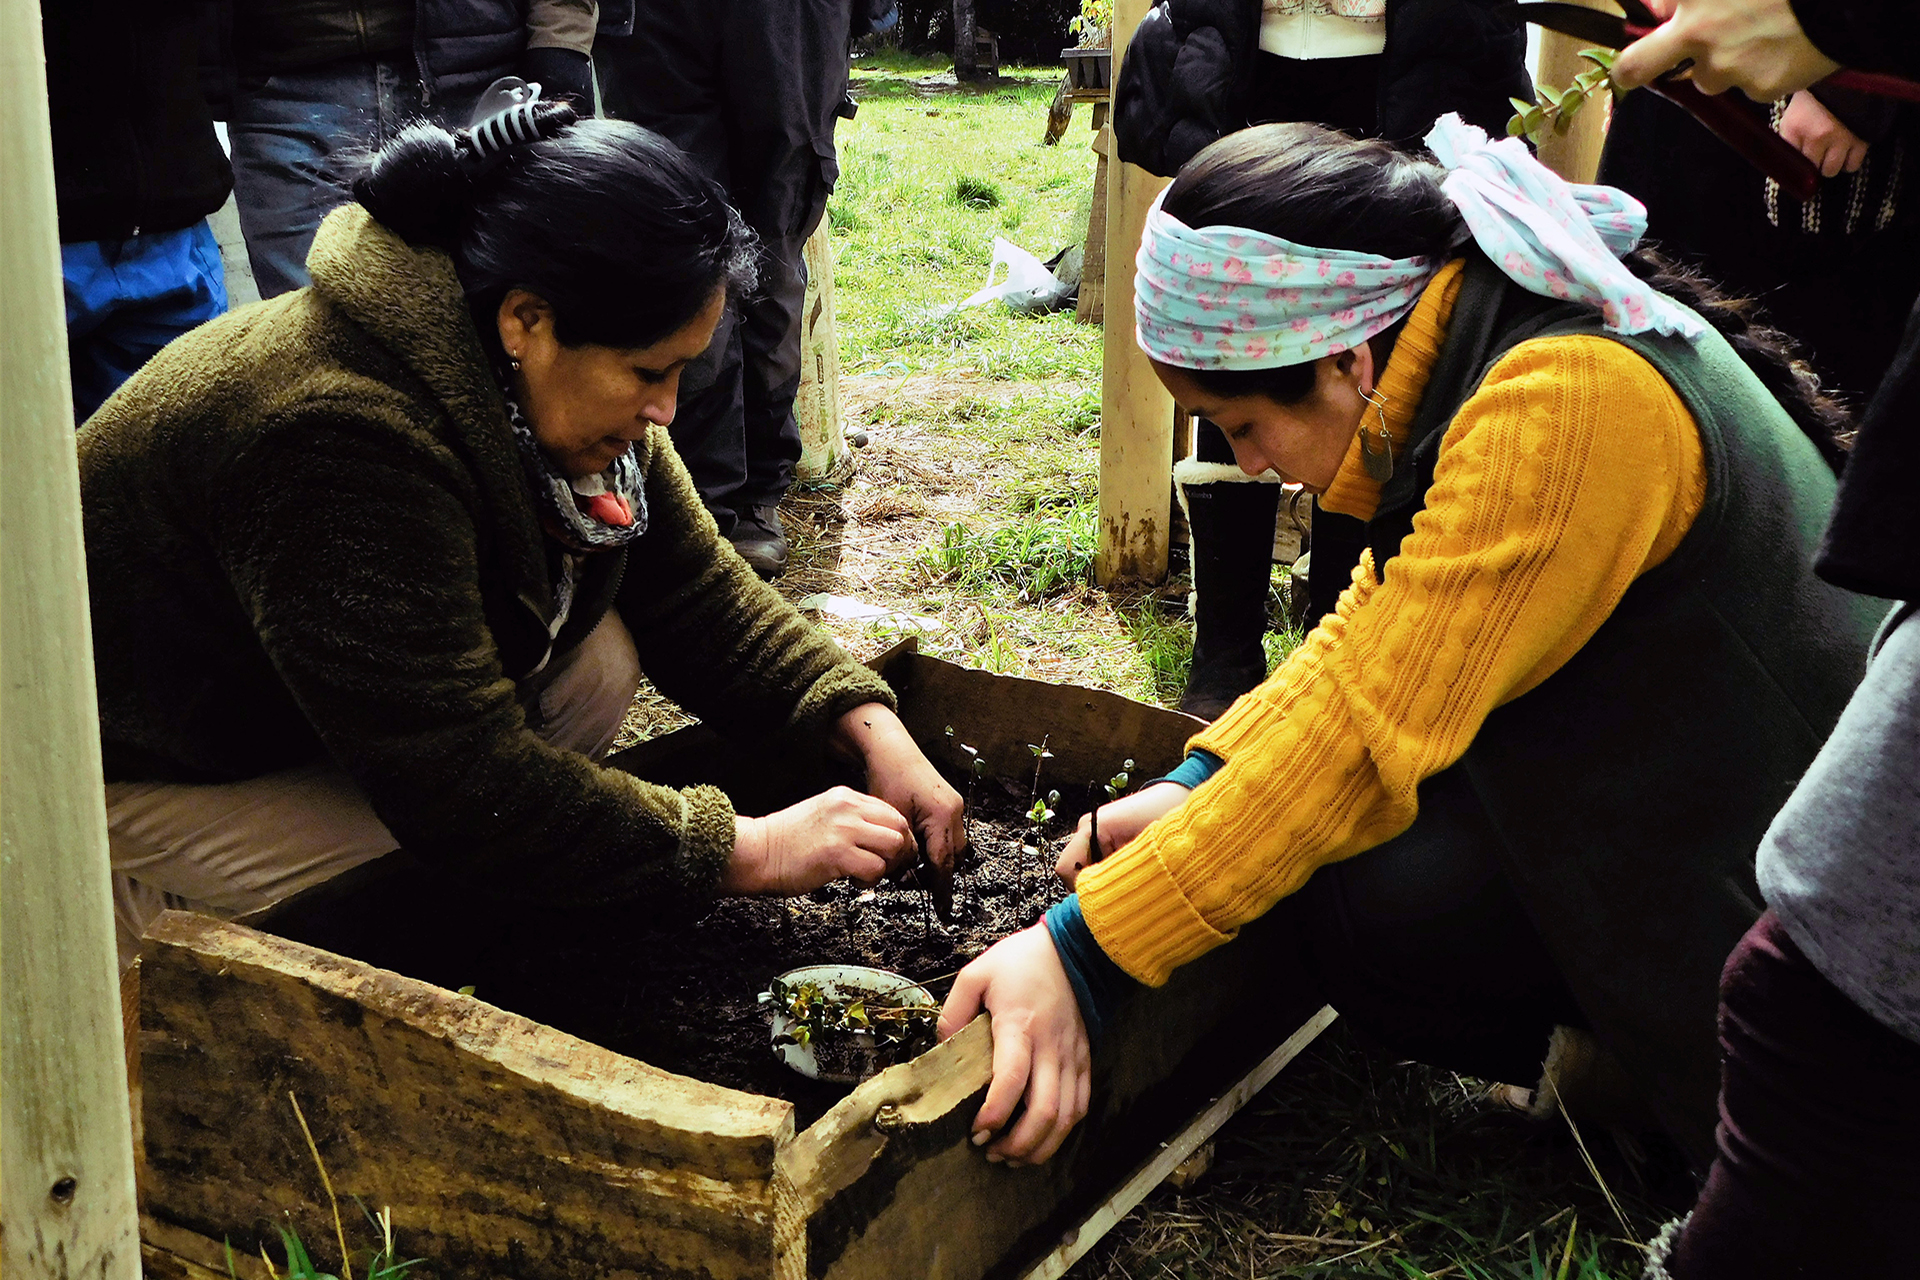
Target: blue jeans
(126,299)
(299,136)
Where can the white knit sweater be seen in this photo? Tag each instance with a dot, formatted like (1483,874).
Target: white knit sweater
(1323,28)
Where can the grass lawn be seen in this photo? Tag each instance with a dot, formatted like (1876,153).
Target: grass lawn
(974,507)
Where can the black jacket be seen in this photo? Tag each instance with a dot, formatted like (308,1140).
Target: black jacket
(1873,543)
(1188,73)
(133,141)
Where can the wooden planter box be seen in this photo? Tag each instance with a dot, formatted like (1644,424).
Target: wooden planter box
(508,1148)
(1089,69)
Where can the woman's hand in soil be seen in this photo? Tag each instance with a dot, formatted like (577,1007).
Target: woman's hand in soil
(838,833)
(1039,1045)
(1120,821)
(900,773)
(1820,136)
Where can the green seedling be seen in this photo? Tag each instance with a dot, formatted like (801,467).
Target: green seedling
(1554,110)
(898,1028)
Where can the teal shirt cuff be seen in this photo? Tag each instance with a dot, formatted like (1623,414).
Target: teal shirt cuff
(1194,770)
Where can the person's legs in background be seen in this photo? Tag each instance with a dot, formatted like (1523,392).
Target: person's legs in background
(128,298)
(1230,522)
(750,96)
(296,136)
(1231,516)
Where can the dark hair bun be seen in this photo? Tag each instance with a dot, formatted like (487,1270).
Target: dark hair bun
(418,185)
(421,184)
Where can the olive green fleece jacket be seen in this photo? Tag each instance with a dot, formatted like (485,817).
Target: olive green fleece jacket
(309,536)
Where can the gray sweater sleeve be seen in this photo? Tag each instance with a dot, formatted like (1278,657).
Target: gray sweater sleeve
(1841,864)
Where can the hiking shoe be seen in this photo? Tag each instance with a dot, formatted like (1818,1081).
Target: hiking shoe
(761,540)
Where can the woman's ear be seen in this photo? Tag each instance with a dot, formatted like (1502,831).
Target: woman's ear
(1354,365)
(521,318)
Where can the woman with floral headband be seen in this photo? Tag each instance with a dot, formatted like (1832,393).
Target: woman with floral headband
(1509,793)
(377,564)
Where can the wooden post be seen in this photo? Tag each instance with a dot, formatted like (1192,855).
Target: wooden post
(66,1149)
(1136,413)
(823,438)
(966,52)
(1575,155)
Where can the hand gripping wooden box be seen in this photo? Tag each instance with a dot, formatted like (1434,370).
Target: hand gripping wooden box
(506,1148)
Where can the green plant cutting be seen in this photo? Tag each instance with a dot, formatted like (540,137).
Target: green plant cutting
(1554,110)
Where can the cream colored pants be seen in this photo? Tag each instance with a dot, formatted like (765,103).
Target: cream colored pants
(232,848)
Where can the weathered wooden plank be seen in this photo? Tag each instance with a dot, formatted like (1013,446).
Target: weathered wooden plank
(168,1252)
(1178,1148)
(503,1146)
(1090,732)
(901,1190)
(66,1159)
(1136,413)
(1090,307)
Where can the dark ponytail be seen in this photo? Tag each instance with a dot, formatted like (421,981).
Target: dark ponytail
(607,221)
(1315,186)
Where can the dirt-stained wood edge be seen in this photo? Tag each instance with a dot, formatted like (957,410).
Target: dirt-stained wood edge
(168,1252)
(1003,717)
(530,1049)
(831,1154)
(504,1147)
(1075,1244)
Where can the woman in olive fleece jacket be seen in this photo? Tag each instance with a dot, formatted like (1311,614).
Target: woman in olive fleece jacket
(313,536)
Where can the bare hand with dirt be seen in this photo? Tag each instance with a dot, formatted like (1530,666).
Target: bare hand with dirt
(1120,821)
(838,833)
(900,773)
(1040,1048)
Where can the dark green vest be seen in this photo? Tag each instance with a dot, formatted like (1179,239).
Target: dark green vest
(1630,790)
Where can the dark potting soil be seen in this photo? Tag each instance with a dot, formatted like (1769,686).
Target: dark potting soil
(686,998)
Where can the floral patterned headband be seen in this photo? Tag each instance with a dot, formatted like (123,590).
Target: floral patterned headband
(1225,297)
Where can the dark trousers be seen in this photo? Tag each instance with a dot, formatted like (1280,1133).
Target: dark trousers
(1818,1172)
(749,91)
(297,136)
(1424,947)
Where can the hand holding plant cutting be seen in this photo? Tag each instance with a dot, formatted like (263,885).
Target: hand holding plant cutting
(1755,45)
(1120,822)
(900,774)
(838,833)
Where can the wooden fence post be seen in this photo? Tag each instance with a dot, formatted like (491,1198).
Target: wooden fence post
(66,1153)
(1574,155)
(1136,413)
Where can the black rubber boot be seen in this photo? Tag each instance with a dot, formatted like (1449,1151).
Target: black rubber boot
(1231,523)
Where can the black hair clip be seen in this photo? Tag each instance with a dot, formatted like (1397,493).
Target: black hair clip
(502,119)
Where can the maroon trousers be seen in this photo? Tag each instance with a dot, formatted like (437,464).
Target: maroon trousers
(1818,1172)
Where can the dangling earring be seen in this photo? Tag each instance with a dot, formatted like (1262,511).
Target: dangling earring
(1378,460)
(513,363)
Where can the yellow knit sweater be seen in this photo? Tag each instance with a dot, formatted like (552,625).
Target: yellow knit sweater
(1572,470)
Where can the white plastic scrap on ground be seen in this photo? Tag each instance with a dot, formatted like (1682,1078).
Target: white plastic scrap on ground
(1029,287)
(860,611)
